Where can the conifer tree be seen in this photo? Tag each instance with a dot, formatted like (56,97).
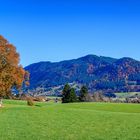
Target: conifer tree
(65,93)
(72,96)
(68,94)
(83,93)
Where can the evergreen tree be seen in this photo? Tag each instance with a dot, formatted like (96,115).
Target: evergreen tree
(68,94)
(83,93)
(72,96)
(65,93)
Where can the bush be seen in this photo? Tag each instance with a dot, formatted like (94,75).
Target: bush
(30,101)
(88,98)
(98,96)
(22,97)
(39,99)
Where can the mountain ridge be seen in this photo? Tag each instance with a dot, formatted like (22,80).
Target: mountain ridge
(97,72)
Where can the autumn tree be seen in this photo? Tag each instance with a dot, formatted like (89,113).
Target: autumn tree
(12,74)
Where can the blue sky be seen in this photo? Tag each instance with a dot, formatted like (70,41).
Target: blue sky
(50,30)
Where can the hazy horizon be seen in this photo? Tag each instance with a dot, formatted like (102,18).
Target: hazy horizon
(45,30)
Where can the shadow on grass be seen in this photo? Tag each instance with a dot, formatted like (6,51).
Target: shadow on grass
(38,105)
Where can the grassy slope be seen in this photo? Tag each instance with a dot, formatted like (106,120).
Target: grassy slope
(95,121)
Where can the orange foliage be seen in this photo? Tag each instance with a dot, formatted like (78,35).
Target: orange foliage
(11,73)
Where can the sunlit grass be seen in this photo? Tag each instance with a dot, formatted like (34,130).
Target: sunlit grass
(80,121)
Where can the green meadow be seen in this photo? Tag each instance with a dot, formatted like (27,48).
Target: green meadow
(77,121)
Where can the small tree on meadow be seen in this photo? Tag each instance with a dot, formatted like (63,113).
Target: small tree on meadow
(68,94)
(72,96)
(65,93)
(83,93)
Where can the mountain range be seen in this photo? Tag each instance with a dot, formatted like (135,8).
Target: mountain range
(96,72)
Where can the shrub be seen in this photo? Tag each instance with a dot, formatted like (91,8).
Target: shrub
(98,96)
(39,99)
(88,98)
(23,97)
(30,101)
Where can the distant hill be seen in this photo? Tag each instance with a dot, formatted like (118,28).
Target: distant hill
(97,72)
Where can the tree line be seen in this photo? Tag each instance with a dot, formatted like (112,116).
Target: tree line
(69,94)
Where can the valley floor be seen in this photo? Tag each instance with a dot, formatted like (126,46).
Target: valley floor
(78,121)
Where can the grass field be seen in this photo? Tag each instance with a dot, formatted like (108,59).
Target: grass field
(81,121)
